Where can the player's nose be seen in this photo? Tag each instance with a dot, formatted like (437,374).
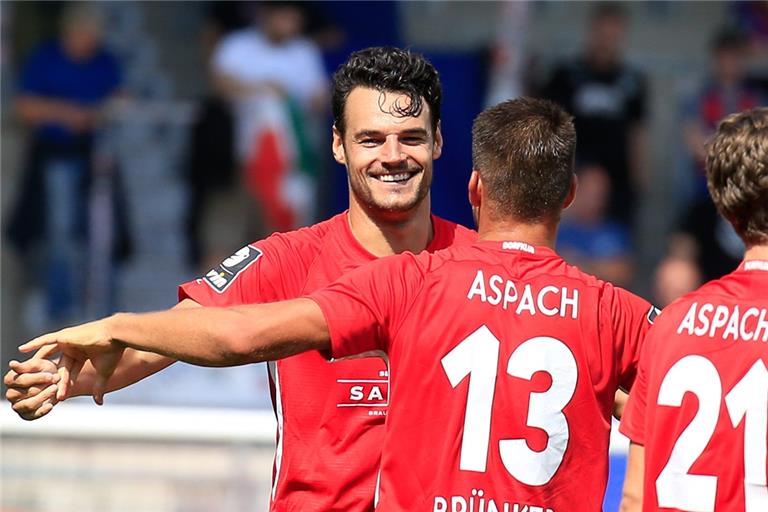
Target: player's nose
(392,151)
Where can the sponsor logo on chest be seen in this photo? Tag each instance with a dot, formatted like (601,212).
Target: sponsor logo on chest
(371,394)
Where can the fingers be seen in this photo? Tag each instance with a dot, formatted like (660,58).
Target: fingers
(99,388)
(14,379)
(69,369)
(39,342)
(33,366)
(46,352)
(105,366)
(13,395)
(36,406)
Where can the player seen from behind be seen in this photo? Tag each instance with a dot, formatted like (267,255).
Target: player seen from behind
(697,417)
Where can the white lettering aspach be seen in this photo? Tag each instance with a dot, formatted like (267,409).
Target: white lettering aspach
(725,322)
(550,300)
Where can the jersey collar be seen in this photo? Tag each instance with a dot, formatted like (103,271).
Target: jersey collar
(757,265)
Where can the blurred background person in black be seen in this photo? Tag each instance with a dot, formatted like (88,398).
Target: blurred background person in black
(607,98)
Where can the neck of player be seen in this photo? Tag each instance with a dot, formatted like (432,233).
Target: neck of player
(541,234)
(756,252)
(387,233)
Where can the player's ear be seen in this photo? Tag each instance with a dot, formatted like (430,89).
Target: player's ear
(337,146)
(437,147)
(475,189)
(572,192)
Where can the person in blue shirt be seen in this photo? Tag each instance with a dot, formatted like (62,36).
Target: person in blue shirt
(589,238)
(63,88)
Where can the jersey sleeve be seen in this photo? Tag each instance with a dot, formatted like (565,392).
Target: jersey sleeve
(630,317)
(264,271)
(226,57)
(365,308)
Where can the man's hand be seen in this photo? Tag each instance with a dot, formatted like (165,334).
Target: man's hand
(78,344)
(32,387)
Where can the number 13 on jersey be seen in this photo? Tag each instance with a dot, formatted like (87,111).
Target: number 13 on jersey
(477,357)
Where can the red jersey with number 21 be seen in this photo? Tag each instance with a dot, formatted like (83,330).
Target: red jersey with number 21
(700,404)
(504,363)
(330,415)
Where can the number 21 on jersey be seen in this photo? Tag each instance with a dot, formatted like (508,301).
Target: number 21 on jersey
(477,357)
(747,401)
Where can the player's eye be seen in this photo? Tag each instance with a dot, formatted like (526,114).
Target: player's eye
(412,141)
(369,143)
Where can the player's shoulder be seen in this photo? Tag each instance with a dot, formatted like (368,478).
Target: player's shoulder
(303,243)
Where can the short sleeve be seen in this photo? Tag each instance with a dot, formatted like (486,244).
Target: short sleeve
(631,317)
(633,420)
(365,308)
(226,56)
(264,271)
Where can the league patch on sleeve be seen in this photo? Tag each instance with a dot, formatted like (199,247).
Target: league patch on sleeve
(652,314)
(222,276)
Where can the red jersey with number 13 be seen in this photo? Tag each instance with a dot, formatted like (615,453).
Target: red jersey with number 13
(504,363)
(700,404)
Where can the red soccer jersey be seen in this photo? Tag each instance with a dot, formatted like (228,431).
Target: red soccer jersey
(330,415)
(504,364)
(700,404)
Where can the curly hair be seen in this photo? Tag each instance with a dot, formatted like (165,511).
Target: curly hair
(524,151)
(737,173)
(388,69)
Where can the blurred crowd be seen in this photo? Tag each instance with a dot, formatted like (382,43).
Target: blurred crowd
(256,155)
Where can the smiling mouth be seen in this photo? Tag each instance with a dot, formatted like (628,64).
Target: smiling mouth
(400,177)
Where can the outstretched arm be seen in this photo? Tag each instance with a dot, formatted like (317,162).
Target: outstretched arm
(201,336)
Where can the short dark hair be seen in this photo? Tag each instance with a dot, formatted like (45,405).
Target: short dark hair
(388,69)
(524,151)
(737,173)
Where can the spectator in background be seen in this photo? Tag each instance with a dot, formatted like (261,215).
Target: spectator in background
(607,98)
(64,86)
(703,248)
(723,92)
(589,239)
(674,277)
(211,167)
(276,82)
